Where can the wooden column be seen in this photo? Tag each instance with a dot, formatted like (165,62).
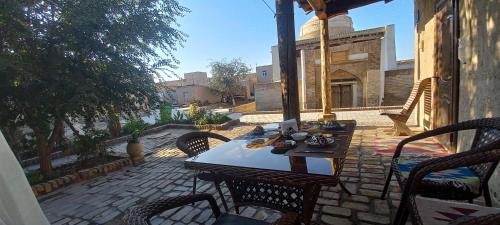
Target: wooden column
(326,98)
(287,59)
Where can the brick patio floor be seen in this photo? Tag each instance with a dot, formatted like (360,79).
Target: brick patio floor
(104,200)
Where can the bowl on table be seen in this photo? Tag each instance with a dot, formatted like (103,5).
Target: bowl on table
(299,136)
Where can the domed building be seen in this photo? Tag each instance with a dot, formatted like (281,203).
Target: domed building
(363,68)
(336,25)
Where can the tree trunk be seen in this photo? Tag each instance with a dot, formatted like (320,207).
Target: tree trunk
(44,152)
(114,125)
(232,99)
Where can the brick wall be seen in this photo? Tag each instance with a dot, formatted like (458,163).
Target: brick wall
(268,96)
(397,88)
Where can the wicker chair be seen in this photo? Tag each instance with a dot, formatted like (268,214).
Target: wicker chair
(472,179)
(295,201)
(195,143)
(401,117)
(426,211)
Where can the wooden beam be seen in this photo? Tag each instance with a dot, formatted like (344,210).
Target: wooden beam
(334,8)
(287,59)
(326,99)
(319,7)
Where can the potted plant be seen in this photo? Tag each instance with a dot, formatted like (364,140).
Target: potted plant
(135,148)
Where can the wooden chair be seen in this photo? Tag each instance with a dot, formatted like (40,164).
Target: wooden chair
(193,144)
(427,211)
(401,117)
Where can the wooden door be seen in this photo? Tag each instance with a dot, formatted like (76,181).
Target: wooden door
(342,96)
(446,70)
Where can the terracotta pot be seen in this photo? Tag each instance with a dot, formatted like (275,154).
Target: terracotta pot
(136,152)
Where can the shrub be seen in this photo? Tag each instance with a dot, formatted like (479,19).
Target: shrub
(133,125)
(195,112)
(165,114)
(90,145)
(218,118)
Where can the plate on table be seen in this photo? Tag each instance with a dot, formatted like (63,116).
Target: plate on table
(332,125)
(320,141)
(282,146)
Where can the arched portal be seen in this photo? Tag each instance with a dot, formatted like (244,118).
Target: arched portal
(347,90)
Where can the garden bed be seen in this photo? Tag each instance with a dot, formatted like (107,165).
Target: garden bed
(223,126)
(70,174)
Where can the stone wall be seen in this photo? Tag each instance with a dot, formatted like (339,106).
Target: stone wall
(424,50)
(268,96)
(199,93)
(479,72)
(397,86)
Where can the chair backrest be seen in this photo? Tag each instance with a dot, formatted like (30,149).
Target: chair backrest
(272,195)
(416,92)
(487,136)
(194,143)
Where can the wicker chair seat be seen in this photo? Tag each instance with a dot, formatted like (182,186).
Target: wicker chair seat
(439,212)
(459,183)
(228,219)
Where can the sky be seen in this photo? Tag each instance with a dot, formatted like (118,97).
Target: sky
(221,29)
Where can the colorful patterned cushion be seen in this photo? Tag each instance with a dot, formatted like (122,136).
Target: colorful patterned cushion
(440,212)
(461,178)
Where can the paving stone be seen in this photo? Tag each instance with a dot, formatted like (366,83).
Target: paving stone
(189,217)
(163,175)
(356,206)
(338,211)
(378,187)
(248,212)
(373,218)
(204,216)
(182,213)
(381,206)
(330,195)
(335,220)
(370,193)
(357,198)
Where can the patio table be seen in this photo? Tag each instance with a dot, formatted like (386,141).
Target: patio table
(304,167)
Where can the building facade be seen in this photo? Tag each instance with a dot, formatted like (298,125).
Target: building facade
(194,86)
(362,63)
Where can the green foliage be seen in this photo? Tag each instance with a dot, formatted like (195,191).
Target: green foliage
(90,145)
(226,76)
(195,112)
(134,125)
(136,134)
(166,114)
(76,59)
(35,177)
(218,118)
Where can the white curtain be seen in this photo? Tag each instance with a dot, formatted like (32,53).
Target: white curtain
(18,205)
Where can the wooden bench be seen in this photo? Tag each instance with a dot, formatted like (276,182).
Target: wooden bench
(401,117)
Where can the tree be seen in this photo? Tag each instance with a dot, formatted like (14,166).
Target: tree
(227,75)
(62,60)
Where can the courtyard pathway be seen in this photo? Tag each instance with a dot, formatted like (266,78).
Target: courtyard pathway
(104,200)
(362,117)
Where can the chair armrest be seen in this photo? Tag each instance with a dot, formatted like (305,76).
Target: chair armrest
(468,158)
(218,136)
(467,125)
(140,215)
(289,218)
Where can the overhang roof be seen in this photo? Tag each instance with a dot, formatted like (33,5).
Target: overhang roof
(336,7)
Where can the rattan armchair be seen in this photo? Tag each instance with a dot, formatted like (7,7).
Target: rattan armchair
(412,191)
(487,136)
(193,144)
(141,215)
